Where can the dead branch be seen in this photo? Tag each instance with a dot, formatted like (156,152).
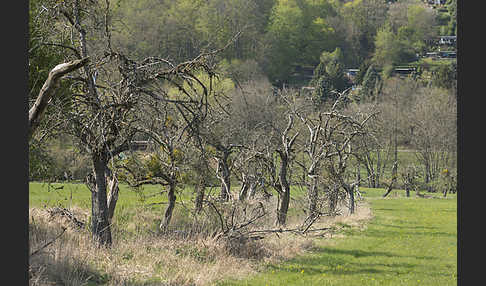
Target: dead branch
(297,231)
(48,243)
(219,214)
(47,90)
(68,214)
(394,179)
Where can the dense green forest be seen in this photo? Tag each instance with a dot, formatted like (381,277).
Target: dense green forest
(285,39)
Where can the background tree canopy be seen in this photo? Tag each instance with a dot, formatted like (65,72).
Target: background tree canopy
(285,38)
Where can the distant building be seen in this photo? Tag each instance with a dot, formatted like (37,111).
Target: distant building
(352,73)
(433,55)
(441,55)
(447,54)
(404,70)
(447,40)
(436,2)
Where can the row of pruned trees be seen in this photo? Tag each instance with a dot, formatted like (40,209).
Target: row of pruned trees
(262,142)
(204,130)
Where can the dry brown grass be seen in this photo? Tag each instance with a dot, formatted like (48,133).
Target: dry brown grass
(160,259)
(66,261)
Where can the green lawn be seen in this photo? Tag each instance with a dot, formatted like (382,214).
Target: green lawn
(410,241)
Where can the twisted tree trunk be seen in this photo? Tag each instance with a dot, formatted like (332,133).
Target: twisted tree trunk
(313,197)
(350,190)
(393,180)
(100,225)
(170,207)
(245,185)
(284,194)
(333,198)
(199,189)
(225,177)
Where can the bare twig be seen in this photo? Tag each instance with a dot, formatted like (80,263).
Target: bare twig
(48,243)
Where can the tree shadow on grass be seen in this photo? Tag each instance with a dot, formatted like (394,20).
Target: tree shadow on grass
(406,226)
(331,261)
(391,234)
(385,209)
(306,270)
(358,253)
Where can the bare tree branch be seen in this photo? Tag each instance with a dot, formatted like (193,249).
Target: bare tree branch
(48,243)
(47,90)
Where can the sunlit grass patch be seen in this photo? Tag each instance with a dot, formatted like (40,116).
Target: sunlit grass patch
(410,241)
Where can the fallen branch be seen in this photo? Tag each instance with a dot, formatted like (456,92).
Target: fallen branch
(294,230)
(48,243)
(67,213)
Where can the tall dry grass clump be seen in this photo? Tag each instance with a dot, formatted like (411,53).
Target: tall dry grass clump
(142,256)
(60,256)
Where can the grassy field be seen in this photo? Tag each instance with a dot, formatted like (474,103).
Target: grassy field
(65,194)
(147,202)
(410,241)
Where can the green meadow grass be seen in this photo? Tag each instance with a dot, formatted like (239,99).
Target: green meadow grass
(409,241)
(135,209)
(77,194)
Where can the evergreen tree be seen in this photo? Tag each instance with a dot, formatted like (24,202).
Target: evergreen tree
(329,76)
(370,85)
